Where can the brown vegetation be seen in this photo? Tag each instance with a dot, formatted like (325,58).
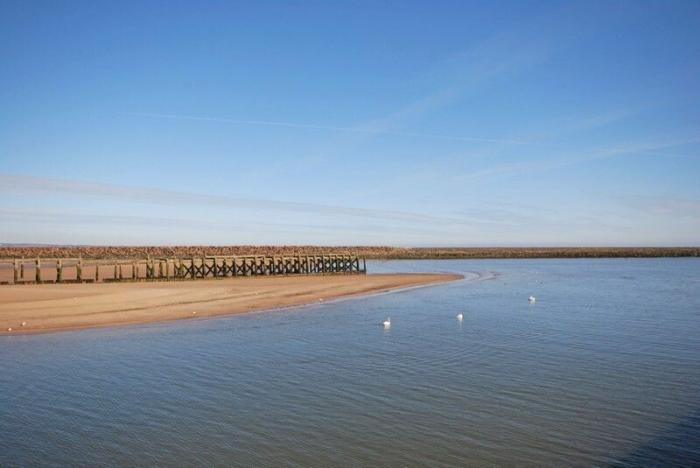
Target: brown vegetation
(377,252)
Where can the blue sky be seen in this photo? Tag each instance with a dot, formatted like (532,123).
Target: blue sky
(382,122)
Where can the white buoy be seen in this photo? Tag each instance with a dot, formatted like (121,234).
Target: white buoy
(194,313)
(531,299)
(460,317)
(387,322)
(24,324)
(9,329)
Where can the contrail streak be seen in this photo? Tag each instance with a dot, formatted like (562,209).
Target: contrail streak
(273,123)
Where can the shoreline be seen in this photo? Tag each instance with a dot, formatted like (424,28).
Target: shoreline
(50,308)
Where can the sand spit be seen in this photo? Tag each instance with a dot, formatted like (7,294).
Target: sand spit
(52,307)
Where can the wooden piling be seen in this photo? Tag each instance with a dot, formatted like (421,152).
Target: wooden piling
(195,268)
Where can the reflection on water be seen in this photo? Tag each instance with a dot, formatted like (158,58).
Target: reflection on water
(603,369)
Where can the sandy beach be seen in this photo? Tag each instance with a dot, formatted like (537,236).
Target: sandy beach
(53,307)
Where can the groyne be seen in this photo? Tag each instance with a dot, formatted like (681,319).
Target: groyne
(79,270)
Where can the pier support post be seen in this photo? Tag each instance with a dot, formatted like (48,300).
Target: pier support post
(179,268)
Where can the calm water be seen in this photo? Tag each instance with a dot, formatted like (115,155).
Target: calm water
(604,369)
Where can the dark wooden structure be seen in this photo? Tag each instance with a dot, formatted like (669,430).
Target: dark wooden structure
(78,270)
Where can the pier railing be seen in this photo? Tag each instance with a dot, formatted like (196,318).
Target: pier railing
(78,270)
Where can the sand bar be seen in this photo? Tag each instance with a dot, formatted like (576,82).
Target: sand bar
(53,307)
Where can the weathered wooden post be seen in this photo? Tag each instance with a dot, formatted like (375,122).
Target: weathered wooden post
(79,269)
(21,269)
(134,270)
(37,270)
(97,272)
(16,271)
(115,275)
(59,270)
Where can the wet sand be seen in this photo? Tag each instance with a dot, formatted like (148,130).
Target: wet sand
(53,307)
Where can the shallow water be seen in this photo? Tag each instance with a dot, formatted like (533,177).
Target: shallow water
(603,369)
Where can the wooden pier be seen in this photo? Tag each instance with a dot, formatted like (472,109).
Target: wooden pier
(78,270)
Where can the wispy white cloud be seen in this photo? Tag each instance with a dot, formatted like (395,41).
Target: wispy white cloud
(67,218)
(668,206)
(454,77)
(15,184)
(568,159)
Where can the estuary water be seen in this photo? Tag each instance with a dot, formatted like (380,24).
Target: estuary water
(603,369)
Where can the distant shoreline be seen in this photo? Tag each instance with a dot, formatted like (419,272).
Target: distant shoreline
(59,307)
(370,252)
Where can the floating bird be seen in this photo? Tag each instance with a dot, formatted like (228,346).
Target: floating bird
(194,313)
(387,322)
(24,324)
(9,329)
(460,317)
(531,299)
